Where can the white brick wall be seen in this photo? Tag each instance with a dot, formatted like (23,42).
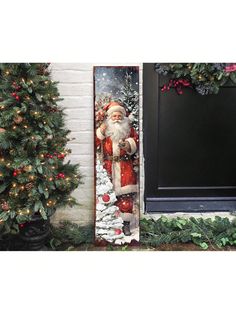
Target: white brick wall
(76,87)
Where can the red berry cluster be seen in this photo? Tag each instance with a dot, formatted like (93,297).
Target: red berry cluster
(60,176)
(53,110)
(61,156)
(15,86)
(15,96)
(16,172)
(58,155)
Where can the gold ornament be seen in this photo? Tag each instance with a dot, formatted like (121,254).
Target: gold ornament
(27,168)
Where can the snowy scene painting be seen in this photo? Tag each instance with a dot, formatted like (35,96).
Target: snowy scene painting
(116,102)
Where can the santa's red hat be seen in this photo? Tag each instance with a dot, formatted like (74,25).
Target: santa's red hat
(114,106)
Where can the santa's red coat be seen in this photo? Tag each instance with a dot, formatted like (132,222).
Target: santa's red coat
(124,178)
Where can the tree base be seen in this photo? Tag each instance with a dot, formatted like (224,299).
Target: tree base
(33,234)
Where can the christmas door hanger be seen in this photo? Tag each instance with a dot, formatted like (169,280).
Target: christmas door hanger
(116,101)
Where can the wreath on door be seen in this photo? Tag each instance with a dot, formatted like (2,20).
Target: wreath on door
(204,78)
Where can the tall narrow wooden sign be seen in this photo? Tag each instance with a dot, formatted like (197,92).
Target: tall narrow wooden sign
(116,103)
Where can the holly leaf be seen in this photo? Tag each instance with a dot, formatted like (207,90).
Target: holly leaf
(43,213)
(37,162)
(46,194)
(40,169)
(23,107)
(38,97)
(224,241)
(204,245)
(47,129)
(179,225)
(196,235)
(37,206)
(12,214)
(233,77)
(40,188)
(182,221)
(4,216)
(220,76)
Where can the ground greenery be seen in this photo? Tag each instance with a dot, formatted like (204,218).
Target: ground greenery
(68,236)
(215,233)
(207,233)
(212,233)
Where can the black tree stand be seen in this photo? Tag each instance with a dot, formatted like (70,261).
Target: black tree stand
(33,234)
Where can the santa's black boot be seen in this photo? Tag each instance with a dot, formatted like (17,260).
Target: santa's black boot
(126,228)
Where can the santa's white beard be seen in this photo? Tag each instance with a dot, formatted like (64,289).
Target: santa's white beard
(118,130)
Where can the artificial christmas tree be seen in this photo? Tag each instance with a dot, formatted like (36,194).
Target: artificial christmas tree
(34,180)
(109,224)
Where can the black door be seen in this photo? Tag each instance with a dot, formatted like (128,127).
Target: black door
(189,148)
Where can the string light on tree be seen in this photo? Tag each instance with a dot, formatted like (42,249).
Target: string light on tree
(28,99)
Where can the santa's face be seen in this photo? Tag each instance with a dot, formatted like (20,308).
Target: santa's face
(118,127)
(116,116)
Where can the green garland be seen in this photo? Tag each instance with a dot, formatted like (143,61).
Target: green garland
(216,233)
(205,78)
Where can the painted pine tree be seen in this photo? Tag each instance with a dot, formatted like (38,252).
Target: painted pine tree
(130,99)
(109,224)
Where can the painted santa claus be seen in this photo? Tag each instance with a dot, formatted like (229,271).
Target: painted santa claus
(119,142)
